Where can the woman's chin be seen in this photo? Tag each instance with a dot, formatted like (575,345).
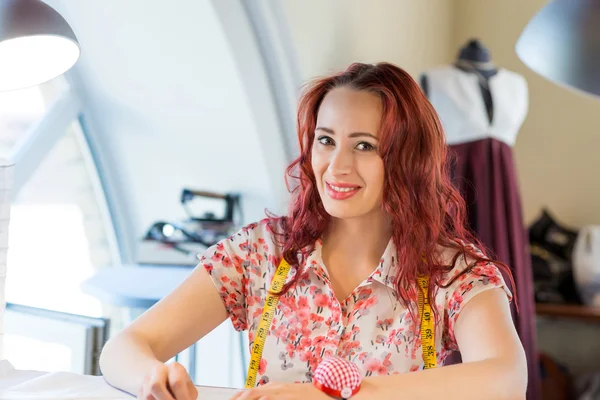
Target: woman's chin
(342,212)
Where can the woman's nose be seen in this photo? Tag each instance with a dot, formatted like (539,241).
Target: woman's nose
(341,163)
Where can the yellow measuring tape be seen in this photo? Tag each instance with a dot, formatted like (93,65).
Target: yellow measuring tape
(265,322)
(427,323)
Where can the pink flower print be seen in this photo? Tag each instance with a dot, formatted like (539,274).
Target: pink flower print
(351,347)
(345,336)
(261,240)
(364,293)
(244,246)
(227,262)
(321,301)
(414,368)
(220,247)
(304,322)
(254,270)
(305,342)
(225,279)
(257,313)
(318,341)
(273,260)
(456,301)
(316,318)
(465,287)
(494,280)
(303,314)
(363,306)
(373,365)
(263,381)
(209,268)
(386,361)
(290,349)
(380,339)
(303,302)
(305,356)
(262,366)
(259,257)
(217,256)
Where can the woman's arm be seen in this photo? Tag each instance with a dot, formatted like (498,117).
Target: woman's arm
(172,325)
(494,365)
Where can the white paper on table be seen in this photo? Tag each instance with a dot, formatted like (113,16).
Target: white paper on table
(32,385)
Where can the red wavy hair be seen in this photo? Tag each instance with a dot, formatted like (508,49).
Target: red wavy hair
(426,209)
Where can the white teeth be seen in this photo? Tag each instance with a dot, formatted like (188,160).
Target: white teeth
(343,190)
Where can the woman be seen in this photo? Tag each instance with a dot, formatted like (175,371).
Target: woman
(373,210)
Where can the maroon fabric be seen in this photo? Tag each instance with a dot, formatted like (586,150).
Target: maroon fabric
(484,170)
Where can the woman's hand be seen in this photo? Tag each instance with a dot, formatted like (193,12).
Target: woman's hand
(168,382)
(282,391)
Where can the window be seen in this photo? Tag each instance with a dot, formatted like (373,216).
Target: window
(67,342)
(58,237)
(21,109)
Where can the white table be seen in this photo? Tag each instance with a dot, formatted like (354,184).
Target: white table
(135,286)
(139,286)
(36,385)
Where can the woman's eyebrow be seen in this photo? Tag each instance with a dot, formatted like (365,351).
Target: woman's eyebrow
(352,135)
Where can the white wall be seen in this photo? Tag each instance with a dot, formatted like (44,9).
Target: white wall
(6,177)
(329,35)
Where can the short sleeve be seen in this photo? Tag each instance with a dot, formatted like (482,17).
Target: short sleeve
(226,264)
(483,276)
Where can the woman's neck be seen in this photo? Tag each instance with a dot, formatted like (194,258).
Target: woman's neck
(362,240)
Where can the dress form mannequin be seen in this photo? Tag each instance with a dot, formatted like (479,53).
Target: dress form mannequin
(474,57)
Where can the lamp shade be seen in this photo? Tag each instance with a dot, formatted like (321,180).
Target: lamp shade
(36,44)
(562,43)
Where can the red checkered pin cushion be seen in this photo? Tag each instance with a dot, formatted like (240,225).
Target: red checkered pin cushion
(337,377)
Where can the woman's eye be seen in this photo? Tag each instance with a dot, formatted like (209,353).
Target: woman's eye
(326,140)
(364,146)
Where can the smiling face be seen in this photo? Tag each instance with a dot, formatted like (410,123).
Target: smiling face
(348,169)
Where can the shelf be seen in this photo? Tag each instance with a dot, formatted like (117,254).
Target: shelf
(572,311)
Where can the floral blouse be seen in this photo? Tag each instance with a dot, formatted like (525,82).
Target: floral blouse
(370,327)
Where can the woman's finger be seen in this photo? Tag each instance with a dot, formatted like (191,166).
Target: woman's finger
(179,382)
(158,385)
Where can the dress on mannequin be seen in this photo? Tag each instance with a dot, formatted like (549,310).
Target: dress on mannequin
(482,109)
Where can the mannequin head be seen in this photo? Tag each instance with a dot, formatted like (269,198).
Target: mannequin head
(474,51)
(475,57)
